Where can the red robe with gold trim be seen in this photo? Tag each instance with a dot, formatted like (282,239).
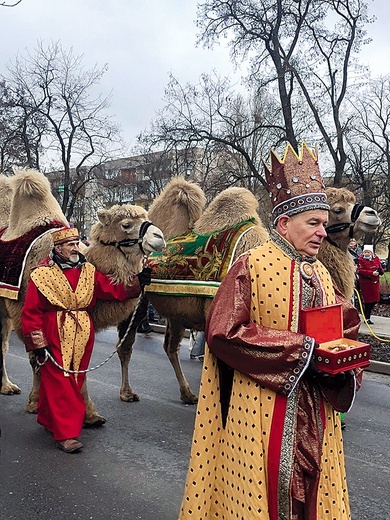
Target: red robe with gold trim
(61,408)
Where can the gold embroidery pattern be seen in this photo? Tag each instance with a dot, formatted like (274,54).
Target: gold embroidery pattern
(73,321)
(287,457)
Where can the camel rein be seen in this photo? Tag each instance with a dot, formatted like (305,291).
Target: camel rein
(365,319)
(90,369)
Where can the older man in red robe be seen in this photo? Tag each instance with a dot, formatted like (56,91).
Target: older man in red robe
(55,317)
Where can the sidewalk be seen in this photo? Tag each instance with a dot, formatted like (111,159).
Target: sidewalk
(380,328)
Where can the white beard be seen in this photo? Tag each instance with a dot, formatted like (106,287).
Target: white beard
(74,258)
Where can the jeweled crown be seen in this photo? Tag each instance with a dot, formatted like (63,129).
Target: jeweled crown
(295,183)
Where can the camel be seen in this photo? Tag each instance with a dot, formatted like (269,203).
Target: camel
(346,220)
(122,250)
(18,224)
(231,206)
(178,208)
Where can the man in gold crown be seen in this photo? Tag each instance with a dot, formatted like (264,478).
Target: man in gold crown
(267,443)
(55,317)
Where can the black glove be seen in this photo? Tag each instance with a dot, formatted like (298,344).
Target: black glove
(41,352)
(312,371)
(145,276)
(338,379)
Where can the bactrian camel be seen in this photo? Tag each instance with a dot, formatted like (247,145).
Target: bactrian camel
(179,207)
(118,254)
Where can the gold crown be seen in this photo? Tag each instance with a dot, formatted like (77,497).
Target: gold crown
(295,183)
(65,234)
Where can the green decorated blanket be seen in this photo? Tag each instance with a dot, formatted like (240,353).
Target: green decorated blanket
(195,264)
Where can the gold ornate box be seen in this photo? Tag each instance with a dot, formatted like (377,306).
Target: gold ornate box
(335,353)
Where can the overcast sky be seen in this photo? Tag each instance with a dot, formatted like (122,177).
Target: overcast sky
(142,41)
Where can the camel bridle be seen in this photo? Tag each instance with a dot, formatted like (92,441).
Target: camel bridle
(337,228)
(128,242)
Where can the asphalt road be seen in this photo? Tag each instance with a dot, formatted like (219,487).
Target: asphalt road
(135,466)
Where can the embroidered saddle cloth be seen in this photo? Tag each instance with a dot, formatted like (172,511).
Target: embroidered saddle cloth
(195,264)
(13,255)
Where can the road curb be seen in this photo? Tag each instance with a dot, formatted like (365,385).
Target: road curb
(379,367)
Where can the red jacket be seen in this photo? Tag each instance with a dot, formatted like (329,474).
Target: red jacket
(369,283)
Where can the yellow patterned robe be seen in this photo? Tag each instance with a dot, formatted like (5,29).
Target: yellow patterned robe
(267,445)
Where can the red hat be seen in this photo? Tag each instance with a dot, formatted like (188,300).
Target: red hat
(65,234)
(295,183)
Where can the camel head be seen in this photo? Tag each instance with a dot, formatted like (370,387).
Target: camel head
(120,239)
(348,219)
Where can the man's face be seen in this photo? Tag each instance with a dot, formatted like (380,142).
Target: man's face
(69,250)
(305,231)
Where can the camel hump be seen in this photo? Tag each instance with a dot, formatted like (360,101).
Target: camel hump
(5,200)
(30,183)
(176,209)
(227,209)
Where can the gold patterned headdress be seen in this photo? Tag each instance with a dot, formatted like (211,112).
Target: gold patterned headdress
(295,183)
(65,234)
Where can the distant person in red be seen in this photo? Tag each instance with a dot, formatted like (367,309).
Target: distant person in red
(55,317)
(369,269)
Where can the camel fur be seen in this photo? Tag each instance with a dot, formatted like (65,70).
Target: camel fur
(184,200)
(229,207)
(5,200)
(335,256)
(32,205)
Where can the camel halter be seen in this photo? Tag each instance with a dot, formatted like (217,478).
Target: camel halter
(128,242)
(336,228)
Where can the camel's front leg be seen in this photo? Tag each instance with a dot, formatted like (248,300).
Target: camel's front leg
(173,336)
(32,402)
(92,418)
(7,387)
(124,353)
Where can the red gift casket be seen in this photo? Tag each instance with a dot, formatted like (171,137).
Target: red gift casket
(335,353)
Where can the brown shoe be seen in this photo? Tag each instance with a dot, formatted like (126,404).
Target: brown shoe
(70,445)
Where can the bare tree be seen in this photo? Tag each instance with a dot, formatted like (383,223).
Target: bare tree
(59,97)
(369,150)
(290,42)
(5,4)
(227,131)
(12,149)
